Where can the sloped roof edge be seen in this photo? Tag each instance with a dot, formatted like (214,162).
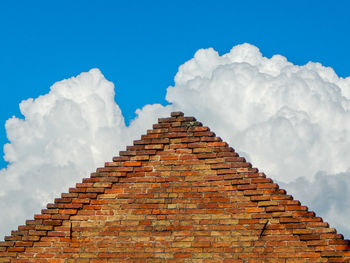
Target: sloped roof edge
(175,130)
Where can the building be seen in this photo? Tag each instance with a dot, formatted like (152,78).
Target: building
(180,194)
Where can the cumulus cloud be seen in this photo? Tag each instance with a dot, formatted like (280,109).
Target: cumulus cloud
(64,135)
(328,195)
(290,121)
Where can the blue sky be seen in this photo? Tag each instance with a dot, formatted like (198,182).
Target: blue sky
(139,45)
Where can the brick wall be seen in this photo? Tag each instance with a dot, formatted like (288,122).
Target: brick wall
(179,194)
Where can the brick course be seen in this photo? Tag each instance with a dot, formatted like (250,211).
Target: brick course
(179,194)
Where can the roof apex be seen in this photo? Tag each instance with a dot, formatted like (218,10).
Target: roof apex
(178,182)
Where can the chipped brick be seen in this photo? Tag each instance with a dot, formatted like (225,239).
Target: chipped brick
(179,194)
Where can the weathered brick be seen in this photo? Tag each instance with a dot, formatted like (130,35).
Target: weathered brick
(180,194)
(132,163)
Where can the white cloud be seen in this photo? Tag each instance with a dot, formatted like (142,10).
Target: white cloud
(65,134)
(292,122)
(328,195)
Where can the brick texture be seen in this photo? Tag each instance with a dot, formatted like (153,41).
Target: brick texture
(180,194)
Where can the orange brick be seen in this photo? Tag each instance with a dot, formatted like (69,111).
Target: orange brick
(132,163)
(180,194)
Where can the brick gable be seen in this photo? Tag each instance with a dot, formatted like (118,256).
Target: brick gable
(180,194)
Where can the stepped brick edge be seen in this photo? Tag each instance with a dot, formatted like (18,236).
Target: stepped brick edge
(179,194)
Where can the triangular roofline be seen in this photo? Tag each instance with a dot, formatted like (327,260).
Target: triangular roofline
(262,191)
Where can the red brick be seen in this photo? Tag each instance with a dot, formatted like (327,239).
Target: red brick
(132,163)
(179,194)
